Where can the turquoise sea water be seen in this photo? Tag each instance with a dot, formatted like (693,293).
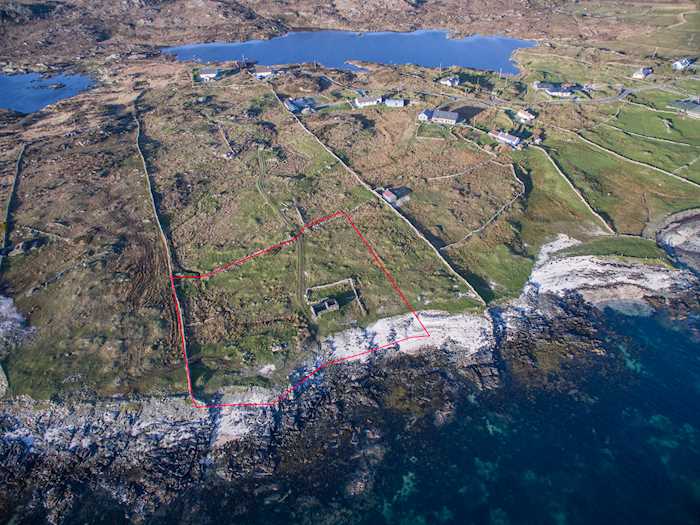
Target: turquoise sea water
(334,48)
(620,444)
(619,448)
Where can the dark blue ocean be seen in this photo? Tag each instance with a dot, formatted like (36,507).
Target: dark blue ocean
(620,446)
(614,440)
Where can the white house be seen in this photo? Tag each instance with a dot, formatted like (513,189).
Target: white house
(505,138)
(450,81)
(555,90)
(560,91)
(364,102)
(395,102)
(207,74)
(263,72)
(445,117)
(425,115)
(681,64)
(642,73)
(524,116)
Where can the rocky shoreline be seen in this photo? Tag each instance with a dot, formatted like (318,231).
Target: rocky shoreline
(142,454)
(679,234)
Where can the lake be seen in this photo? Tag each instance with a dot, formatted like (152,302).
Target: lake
(30,92)
(334,49)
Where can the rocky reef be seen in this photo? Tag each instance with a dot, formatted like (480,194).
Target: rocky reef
(135,458)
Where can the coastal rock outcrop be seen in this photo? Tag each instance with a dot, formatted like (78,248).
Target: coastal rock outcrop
(137,455)
(680,235)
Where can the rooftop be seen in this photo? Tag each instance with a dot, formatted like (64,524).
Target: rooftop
(447,115)
(399,192)
(367,100)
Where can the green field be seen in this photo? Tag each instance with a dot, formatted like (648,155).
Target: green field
(630,195)
(499,260)
(665,155)
(667,125)
(637,248)
(433,131)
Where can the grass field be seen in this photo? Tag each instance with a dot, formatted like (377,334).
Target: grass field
(499,260)
(248,325)
(432,131)
(629,195)
(234,172)
(665,155)
(619,247)
(552,206)
(667,125)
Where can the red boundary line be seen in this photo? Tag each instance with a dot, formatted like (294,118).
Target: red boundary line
(238,262)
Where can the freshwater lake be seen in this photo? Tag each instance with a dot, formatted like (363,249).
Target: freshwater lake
(334,49)
(27,93)
(30,92)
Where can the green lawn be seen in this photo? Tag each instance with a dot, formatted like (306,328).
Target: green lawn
(552,207)
(433,131)
(619,246)
(498,262)
(630,195)
(664,155)
(667,126)
(495,270)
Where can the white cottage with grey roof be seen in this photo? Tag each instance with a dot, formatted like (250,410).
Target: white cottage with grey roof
(207,74)
(449,118)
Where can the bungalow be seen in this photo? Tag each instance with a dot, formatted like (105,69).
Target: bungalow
(207,74)
(642,73)
(690,107)
(450,81)
(560,90)
(505,138)
(364,102)
(682,64)
(324,306)
(425,115)
(300,104)
(555,90)
(395,102)
(445,117)
(397,196)
(524,116)
(263,72)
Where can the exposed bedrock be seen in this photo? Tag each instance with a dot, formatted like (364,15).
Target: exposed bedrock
(140,454)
